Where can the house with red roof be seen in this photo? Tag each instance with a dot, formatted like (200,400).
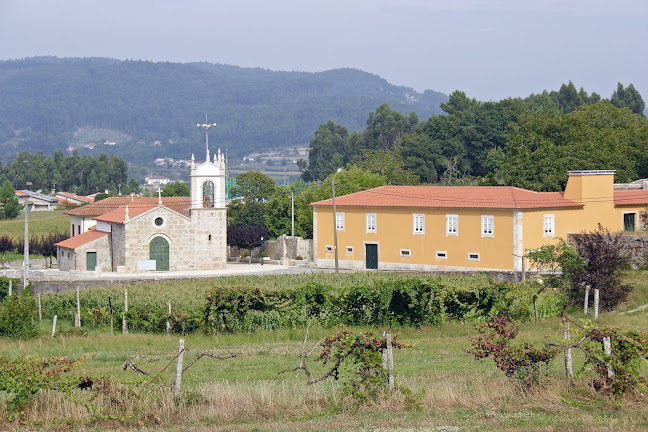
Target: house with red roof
(487,228)
(124,234)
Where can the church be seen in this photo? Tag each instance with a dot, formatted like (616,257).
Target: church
(127,234)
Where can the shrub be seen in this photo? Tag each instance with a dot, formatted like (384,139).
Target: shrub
(18,315)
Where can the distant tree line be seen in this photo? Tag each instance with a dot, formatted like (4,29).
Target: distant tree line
(529,142)
(82,175)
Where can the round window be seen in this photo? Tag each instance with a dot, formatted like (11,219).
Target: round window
(159,221)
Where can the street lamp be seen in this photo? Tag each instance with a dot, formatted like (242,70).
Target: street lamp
(261,250)
(335,248)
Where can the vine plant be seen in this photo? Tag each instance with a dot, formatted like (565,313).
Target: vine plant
(362,351)
(528,363)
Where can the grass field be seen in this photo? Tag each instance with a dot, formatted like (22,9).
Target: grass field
(450,391)
(41,222)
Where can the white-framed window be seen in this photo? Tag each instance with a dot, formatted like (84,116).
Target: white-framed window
(442,255)
(339,221)
(549,225)
(452,224)
(329,249)
(418,224)
(406,253)
(349,249)
(371,222)
(487,226)
(473,256)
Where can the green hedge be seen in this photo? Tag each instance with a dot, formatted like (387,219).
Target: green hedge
(254,303)
(413,301)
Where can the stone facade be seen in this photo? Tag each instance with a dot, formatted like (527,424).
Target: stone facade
(76,259)
(196,234)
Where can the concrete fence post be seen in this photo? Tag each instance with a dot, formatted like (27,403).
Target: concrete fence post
(178,379)
(586,303)
(569,368)
(607,348)
(596,303)
(77,321)
(53,326)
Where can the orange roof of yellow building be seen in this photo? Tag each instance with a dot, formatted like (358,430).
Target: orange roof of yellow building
(486,197)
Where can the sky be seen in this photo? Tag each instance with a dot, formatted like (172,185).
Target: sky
(490,49)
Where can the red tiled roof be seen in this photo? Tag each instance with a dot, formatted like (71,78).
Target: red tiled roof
(177,204)
(119,214)
(81,239)
(631,197)
(485,197)
(63,195)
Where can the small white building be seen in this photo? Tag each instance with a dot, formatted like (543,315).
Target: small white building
(36,201)
(157,179)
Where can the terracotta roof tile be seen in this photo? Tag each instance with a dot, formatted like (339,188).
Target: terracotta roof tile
(485,197)
(81,239)
(177,204)
(119,214)
(63,195)
(631,197)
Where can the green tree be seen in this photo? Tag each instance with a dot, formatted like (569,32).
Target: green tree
(388,164)
(386,127)
(6,192)
(628,98)
(543,146)
(459,102)
(254,189)
(176,189)
(327,151)
(11,209)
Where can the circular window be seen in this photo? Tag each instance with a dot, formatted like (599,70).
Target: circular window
(159,221)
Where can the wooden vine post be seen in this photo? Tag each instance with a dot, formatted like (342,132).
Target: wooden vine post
(124,325)
(40,310)
(111,315)
(77,317)
(168,323)
(178,379)
(569,368)
(388,361)
(607,349)
(53,326)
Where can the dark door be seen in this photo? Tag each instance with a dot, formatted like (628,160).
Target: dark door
(629,222)
(371,253)
(91,261)
(159,251)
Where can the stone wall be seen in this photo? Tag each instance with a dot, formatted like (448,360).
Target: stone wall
(289,247)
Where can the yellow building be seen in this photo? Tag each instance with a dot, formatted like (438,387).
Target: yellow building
(466,227)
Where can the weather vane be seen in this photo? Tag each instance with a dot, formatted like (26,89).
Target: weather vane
(206,126)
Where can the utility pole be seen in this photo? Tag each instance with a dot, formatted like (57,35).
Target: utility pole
(292,203)
(335,248)
(26,250)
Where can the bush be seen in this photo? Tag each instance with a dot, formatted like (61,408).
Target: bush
(18,316)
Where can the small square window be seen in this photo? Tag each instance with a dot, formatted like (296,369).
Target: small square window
(419,224)
(349,249)
(442,255)
(405,252)
(473,256)
(452,224)
(329,249)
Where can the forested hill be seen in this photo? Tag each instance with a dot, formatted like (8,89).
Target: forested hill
(44,100)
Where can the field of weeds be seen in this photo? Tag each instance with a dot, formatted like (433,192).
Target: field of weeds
(439,385)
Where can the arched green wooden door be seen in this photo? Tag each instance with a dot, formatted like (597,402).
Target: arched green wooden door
(159,251)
